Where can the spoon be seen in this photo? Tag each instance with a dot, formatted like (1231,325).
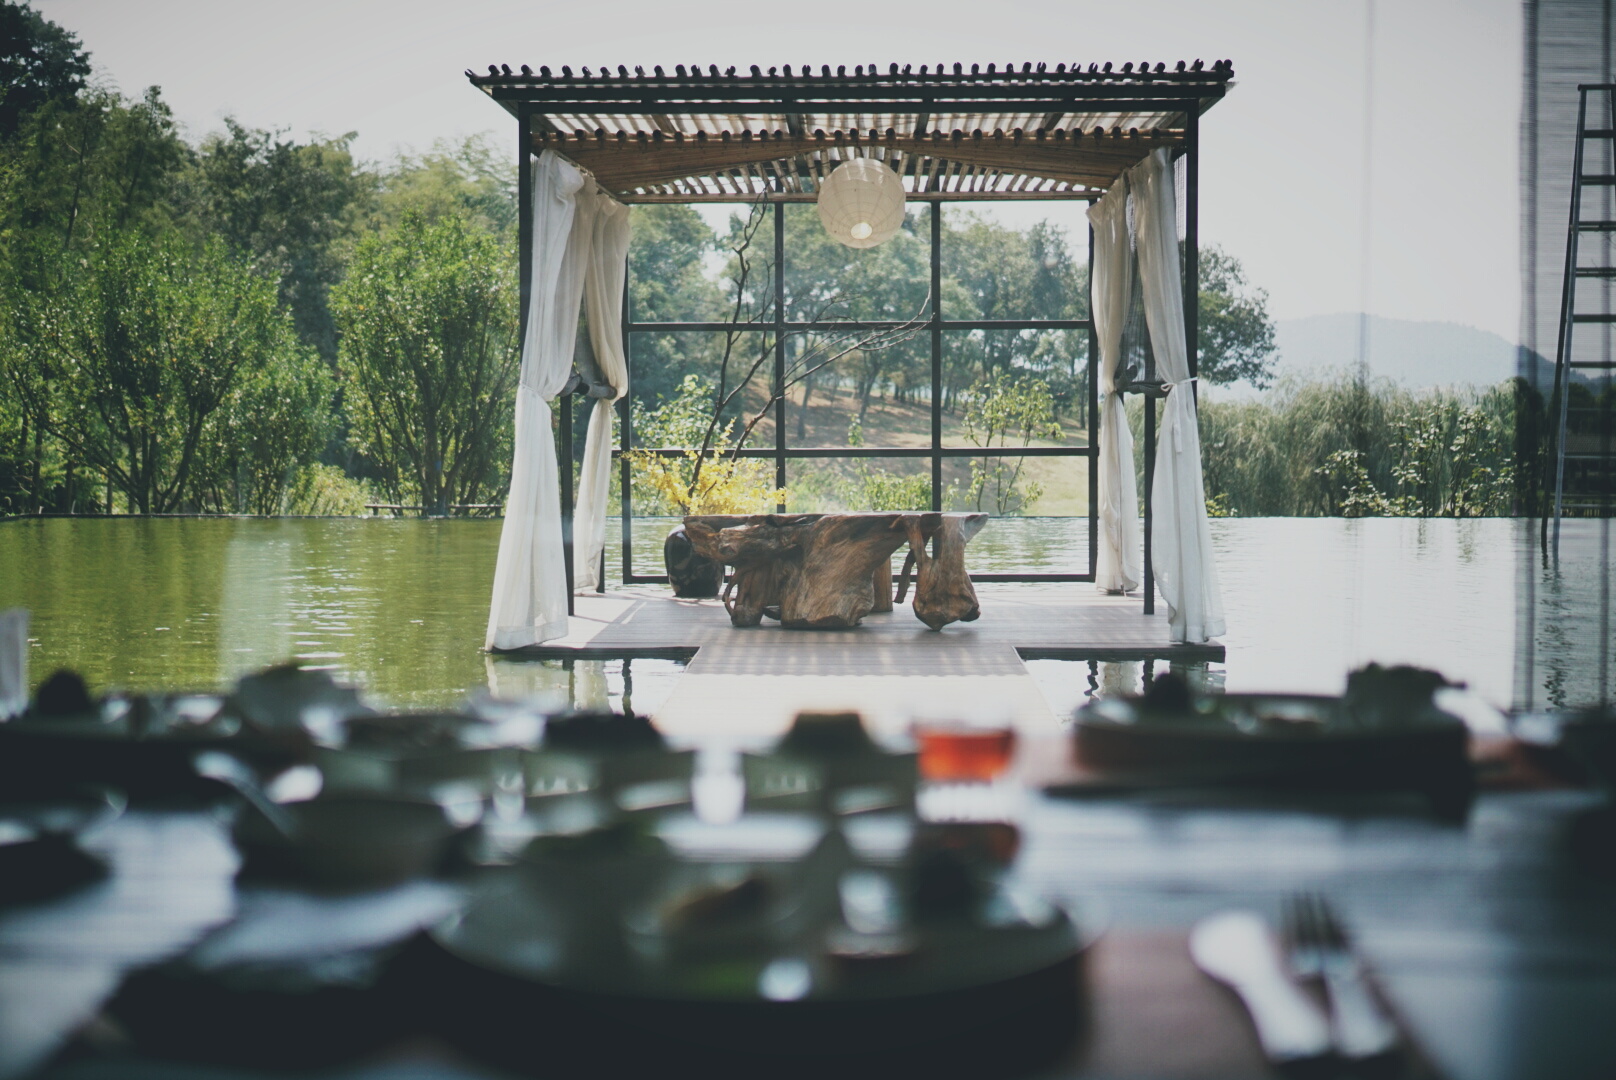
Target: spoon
(220,766)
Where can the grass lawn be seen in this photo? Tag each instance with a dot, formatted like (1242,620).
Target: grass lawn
(830,413)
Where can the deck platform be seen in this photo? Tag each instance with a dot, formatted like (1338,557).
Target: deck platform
(749,683)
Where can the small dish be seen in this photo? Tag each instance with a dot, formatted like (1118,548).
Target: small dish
(40,855)
(348,842)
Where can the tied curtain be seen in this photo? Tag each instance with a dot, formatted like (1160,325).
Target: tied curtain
(1181,544)
(603,302)
(569,223)
(1117,562)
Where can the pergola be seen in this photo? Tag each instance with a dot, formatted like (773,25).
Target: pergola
(1037,132)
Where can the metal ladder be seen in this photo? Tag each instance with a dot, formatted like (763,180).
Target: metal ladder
(1582,459)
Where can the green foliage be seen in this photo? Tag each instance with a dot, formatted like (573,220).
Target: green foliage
(1007,410)
(1345,447)
(869,487)
(429,359)
(680,419)
(668,283)
(326,491)
(999,272)
(139,356)
(290,208)
(1345,471)
(714,482)
(275,422)
(39,63)
(80,171)
(1236,337)
(469,179)
(828,280)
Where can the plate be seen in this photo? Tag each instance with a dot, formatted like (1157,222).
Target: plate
(142,745)
(796,970)
(40,856)
(1277,740)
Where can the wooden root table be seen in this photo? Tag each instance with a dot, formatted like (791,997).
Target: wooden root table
(827,571)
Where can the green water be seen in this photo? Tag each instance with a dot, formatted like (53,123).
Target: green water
(397,606)
(401,606)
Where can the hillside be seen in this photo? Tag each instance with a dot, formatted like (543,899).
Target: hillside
(1415,354)
(889,423)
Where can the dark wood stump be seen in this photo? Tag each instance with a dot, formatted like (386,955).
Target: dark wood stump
(827,571)
(943,590)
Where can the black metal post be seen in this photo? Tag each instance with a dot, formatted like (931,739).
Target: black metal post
(624,421)
(1150,476)
(564,403)
(780,349)
(936,356)
(1093,420)
(524,219)
(1192,238)
(625,441)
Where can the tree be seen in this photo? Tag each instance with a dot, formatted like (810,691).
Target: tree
(428,357)
(470,179)
(140,348)
(667,282)
(79,178)
(1004,410)
(1004,273)
(83,169)
(828,280)
(275,421)
(290,208)
(39,62)
(1236,338)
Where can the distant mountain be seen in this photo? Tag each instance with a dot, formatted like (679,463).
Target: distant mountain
(1415,354)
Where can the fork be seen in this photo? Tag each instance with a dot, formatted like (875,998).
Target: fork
(1318,949)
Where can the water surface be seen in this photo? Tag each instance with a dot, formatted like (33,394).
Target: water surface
(400,606)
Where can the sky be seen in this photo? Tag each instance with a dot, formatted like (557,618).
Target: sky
(1283,167)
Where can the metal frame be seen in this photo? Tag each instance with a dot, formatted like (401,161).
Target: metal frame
(1187,92)
(936,452)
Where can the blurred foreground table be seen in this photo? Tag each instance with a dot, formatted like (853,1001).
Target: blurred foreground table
(1497,952)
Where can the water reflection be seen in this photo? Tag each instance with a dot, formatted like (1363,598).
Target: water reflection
(1069,684)
(1565,617)
(629,685)
(400,606)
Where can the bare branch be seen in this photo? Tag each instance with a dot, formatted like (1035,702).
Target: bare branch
(875,341)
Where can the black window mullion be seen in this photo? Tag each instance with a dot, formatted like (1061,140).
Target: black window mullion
(1094,418)
(780,350)
(936,357)
(874,324)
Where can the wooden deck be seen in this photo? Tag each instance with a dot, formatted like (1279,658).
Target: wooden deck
(748,684)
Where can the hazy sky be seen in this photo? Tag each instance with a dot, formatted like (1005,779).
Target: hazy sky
(1281,178)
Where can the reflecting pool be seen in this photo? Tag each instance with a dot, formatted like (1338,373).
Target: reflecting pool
(400,605)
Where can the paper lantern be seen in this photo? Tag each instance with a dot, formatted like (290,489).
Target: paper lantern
(861,203)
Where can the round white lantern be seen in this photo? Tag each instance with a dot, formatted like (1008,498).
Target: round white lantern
(861,203)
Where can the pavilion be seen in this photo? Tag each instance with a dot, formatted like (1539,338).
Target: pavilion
(1068,132)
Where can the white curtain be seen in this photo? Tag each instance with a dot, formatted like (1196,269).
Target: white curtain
(1117,564)
(530,583)
(603,301)
(1181,543)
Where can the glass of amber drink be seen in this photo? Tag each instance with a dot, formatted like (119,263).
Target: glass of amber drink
(964,752)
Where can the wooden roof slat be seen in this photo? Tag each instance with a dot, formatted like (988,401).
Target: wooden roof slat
(711,135)
(1088,160)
